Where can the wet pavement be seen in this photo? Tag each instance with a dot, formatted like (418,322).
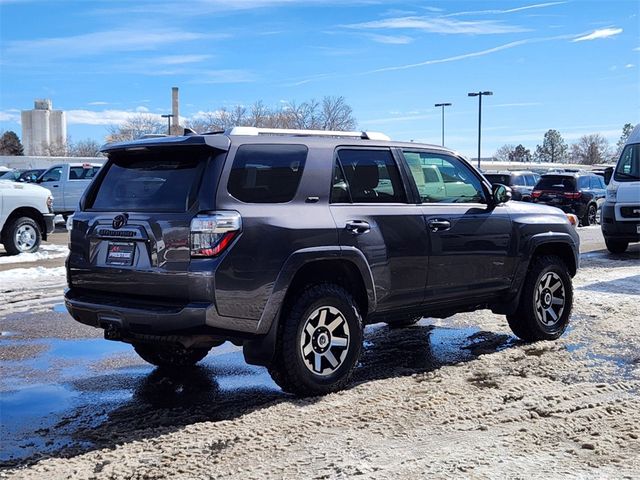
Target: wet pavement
(74,395)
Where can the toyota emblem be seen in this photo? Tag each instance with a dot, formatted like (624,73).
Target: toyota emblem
(119,221)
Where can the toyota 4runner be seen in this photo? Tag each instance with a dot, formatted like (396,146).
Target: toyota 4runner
(288,242)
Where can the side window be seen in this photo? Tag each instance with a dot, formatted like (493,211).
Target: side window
(77,173)
(266,173)
(594,182)
(583,183)
(52,175)
(339,187)
(530,180)
(443,179)
(372,176)
(518,180)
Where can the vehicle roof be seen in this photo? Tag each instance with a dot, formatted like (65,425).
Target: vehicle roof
(581,173)
(223,141)
(509,172)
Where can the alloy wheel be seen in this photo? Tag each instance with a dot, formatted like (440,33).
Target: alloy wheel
(324,341)
(549,299)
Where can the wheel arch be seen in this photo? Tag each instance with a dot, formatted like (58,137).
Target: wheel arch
(30,212)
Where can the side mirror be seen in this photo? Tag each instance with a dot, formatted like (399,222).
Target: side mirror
(501,193)
(608,173)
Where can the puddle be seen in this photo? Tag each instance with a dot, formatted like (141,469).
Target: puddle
(59,308)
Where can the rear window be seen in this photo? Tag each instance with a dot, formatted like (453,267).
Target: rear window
(156,181)
(556,182)
(267,173)
(82,173)
(495,178)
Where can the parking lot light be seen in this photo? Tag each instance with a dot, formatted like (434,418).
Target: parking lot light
(442,105)
(479,95)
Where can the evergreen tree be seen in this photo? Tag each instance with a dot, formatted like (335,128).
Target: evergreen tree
(553,148)
(10,144)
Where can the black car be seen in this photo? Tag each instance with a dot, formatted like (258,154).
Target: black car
(289,242)
(579,193)
(520,182)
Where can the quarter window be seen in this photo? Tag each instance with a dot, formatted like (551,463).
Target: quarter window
(443,179)
(371,176)
(267,173)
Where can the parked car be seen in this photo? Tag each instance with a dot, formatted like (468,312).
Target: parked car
(67,182)
(621,210)
(26,216)
(288,242)
(23,176)
(520,182)
(581,193)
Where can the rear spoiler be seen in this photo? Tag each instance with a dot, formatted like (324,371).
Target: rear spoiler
(218,142)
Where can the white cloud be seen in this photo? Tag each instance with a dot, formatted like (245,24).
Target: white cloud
(224,76)
(142,109)
(108,41)
(637,49)
(97,103)
(510,10)
(104,117)
(439,25)
(9,116)
(391,39)
(179,59)
(597,34)
(629,65)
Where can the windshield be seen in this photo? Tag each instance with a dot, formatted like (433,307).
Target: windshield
(10,175)
(628,168)
(158,181)
(556,182)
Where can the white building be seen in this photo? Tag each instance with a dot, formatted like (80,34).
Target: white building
(43,129)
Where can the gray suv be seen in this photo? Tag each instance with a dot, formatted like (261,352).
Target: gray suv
(289,242)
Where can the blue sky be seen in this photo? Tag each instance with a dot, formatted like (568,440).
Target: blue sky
(568,65)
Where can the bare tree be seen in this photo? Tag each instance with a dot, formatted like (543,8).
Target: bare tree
(84,148)
(591,149)
(55,149)
(135,127)
(504,153)
(336,114)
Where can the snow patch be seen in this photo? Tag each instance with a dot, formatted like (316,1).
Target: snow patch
(46,252)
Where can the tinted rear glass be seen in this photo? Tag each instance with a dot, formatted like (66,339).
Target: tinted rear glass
(156,181)
(556,182)
(267,173)
(495,178)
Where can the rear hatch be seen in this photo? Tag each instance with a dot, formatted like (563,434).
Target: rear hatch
(555,190)
(132,236)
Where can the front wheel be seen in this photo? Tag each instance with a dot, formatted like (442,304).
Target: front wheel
(22,235)
(616,246)
(320,342)
(546,301)
(169,356)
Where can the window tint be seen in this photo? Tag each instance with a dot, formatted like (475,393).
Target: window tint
(165,181)
(583,183)
(556,182)
(455,182)
(372,176)
(82,173)
(529,179)
(339,188)
(494,178)
(52,175)
(266,173)
(594,182)
(628,168)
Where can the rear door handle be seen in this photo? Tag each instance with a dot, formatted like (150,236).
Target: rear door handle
(438,225)
(357,227)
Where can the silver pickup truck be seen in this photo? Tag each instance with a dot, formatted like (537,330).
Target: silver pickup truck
(67,182)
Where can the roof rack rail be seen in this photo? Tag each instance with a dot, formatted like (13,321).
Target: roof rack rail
(152,135)
(306,133)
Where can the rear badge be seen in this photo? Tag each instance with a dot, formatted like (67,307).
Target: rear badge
(119,221)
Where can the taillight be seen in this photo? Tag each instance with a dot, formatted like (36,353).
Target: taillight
(536,193)
(572,195)
(212,233)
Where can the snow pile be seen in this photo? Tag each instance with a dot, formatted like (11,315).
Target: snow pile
(46,252)
(29,277)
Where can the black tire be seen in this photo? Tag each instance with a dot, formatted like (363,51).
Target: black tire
(169,356)
(14,245)
(616,246)
(590,216)
(298,373)
(533,320)
(404,322)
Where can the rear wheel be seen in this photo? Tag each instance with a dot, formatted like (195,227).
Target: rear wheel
(590,216)
(168,356)
(22,235)
(320,342)
(616,246)
(545,302)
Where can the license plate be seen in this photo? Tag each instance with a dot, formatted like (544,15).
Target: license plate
(120,253)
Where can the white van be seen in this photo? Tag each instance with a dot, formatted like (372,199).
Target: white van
(621,210)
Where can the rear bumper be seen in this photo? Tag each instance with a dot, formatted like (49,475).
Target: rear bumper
(618,230)
(145,317)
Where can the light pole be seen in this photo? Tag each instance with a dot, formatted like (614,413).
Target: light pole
(168,116)
(479,95)
(442,105)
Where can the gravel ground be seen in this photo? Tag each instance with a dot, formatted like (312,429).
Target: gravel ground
(444,399)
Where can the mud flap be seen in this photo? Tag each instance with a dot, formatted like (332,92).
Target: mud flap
(262,350)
